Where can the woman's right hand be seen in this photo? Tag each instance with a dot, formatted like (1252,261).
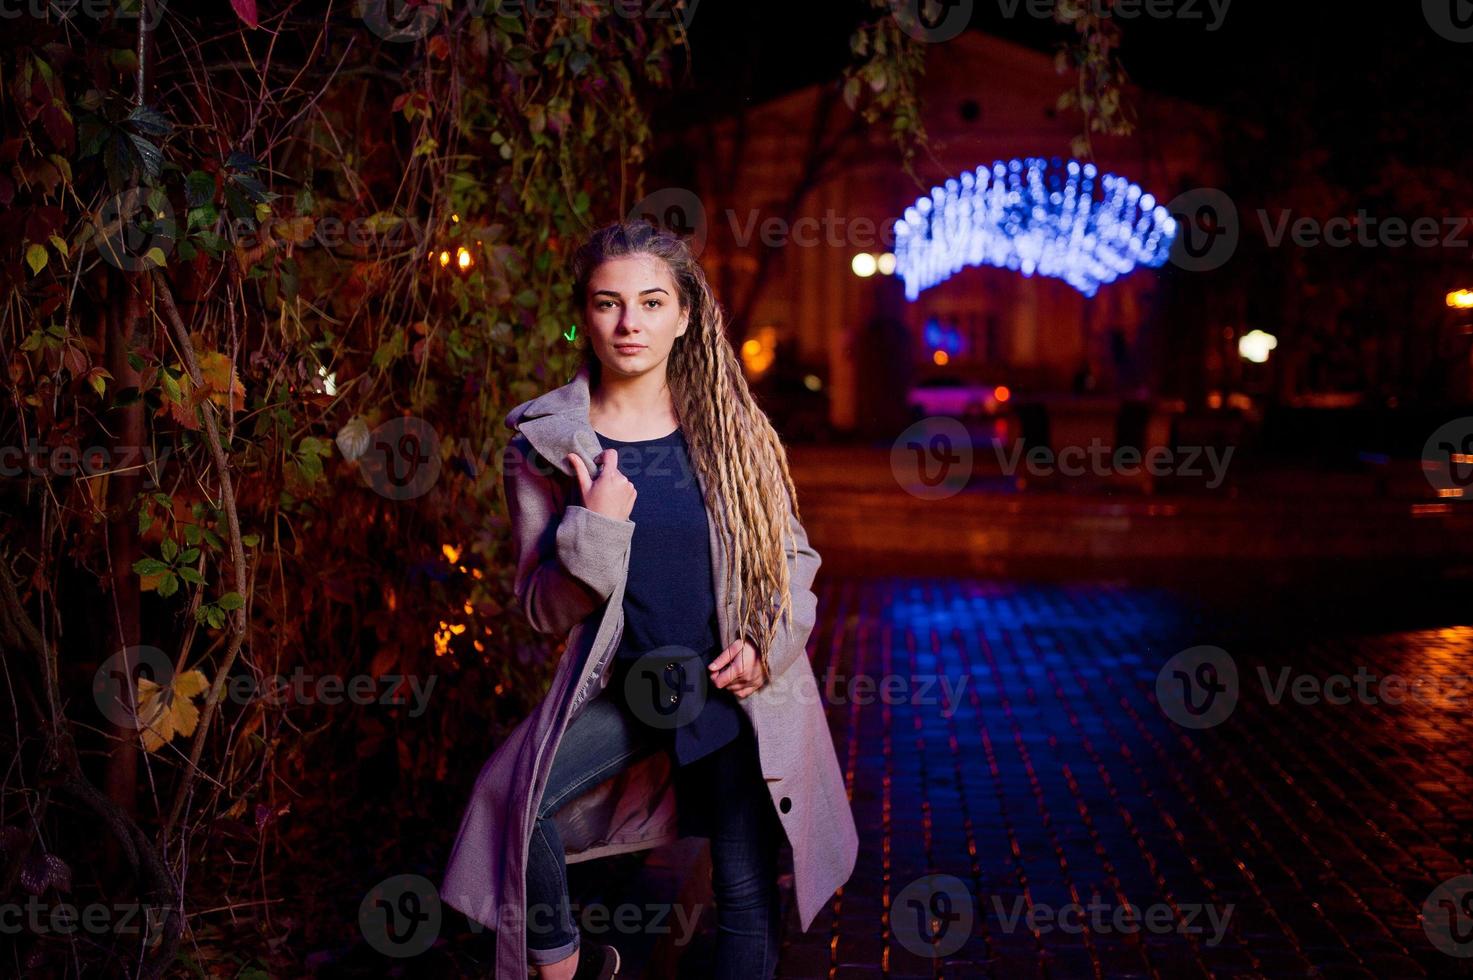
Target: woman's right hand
(612,494)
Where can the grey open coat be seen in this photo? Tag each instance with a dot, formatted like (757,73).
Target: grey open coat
(572,563)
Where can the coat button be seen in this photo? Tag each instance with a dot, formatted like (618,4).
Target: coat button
(673,698)
(785,804)
(671,665)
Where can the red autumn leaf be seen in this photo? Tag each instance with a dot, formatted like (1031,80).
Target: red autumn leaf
(246,11)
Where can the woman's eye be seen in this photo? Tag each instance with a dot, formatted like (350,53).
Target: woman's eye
(655,301)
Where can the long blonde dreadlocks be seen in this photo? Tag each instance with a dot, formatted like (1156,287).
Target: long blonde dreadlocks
(732,444)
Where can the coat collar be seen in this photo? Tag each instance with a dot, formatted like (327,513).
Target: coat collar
(556,423)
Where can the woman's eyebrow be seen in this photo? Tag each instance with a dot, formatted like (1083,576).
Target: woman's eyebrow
(615,292)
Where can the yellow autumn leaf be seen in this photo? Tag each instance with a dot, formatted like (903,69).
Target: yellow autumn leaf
(168,710)
(219,377)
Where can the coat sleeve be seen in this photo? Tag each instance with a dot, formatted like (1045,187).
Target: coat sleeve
(568,563)
(791,641)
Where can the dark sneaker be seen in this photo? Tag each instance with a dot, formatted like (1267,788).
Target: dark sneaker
(597,961)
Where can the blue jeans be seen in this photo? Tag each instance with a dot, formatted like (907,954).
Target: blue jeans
(746,833)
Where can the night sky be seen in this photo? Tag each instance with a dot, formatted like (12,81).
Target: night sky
(1376,81)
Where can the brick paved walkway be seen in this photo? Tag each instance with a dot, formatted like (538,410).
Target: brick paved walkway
(1313,833)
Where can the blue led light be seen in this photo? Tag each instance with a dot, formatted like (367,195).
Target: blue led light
(1037,216)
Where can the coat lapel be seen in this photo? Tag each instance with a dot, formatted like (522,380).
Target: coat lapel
(556,423)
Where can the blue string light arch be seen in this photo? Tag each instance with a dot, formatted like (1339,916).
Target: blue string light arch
(1035,216)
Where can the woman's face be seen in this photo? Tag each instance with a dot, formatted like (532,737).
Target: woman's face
(633,314)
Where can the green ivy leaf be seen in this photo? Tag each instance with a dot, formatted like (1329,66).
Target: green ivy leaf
(232,601)
(36,257)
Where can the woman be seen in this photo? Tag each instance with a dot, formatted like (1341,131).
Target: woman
(666,697)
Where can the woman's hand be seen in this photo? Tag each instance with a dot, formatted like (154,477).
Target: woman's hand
(738,669)
(612,494)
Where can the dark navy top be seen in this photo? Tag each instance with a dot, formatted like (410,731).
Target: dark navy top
(670,601)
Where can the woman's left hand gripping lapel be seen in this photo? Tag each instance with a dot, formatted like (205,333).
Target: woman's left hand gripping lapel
(738,669)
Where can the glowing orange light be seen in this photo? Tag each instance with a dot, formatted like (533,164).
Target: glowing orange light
(1002,393)
(1460,299)
(463,257)
(444,259)
(452,553)
(940,357)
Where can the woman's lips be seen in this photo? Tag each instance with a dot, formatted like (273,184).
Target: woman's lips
(629,348)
